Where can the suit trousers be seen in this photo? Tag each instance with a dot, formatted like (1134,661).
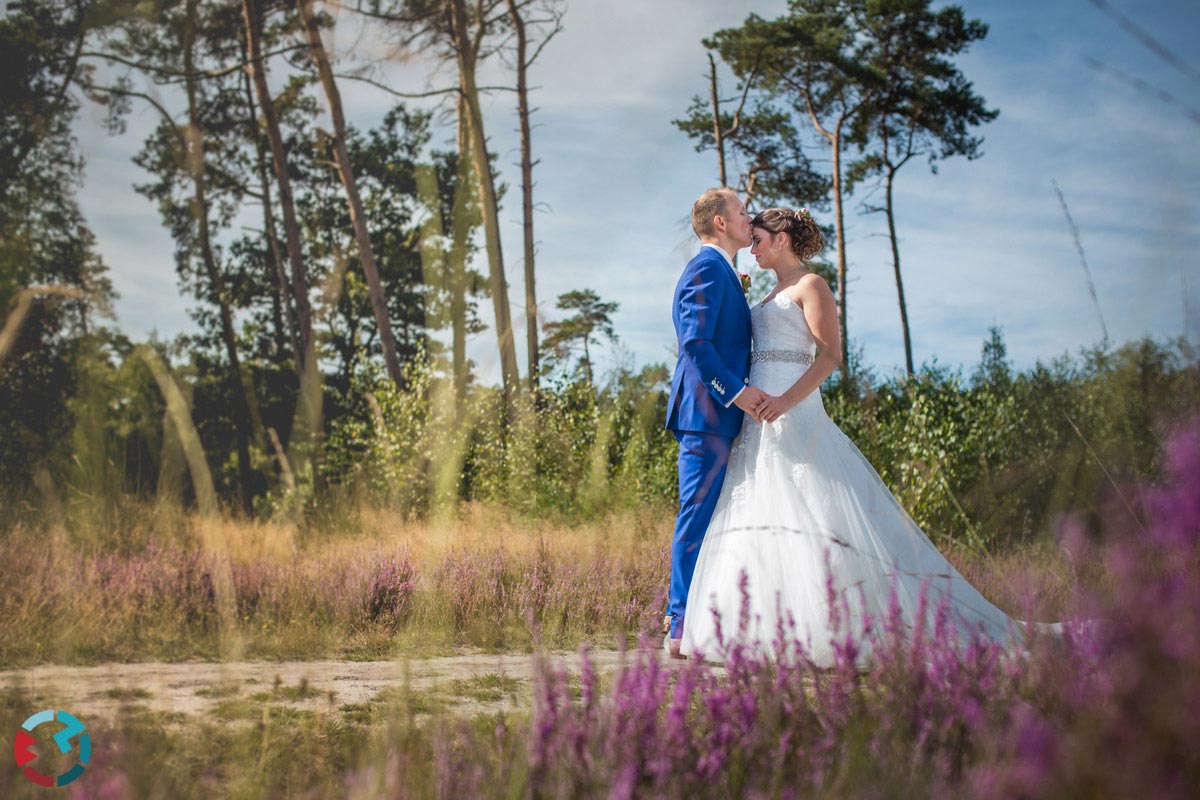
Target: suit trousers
(703,458)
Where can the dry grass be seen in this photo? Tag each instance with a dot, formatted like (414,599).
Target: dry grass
(172,587)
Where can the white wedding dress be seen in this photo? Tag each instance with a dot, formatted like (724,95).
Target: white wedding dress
(798,492)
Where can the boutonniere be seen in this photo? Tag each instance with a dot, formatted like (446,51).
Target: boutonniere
(745,283)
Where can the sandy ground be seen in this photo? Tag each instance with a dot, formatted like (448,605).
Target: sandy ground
(465,684)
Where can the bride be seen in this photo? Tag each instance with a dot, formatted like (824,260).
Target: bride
(800,503)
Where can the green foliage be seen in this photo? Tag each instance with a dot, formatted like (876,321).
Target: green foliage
(984,463)
(996,462)
(43,237)
(768,144)
(570,451)
(592,318)
(926,106)
(381,441)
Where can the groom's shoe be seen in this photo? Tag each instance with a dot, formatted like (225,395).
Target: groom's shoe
(672,648)
(669,644)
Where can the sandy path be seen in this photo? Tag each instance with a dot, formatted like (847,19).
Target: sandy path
(465,684)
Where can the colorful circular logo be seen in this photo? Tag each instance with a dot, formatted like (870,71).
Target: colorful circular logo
(63,738)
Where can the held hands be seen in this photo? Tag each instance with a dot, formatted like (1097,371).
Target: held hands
(762,406)
(772,407)
(750,399)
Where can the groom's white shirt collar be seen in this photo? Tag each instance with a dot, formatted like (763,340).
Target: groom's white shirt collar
(728,258)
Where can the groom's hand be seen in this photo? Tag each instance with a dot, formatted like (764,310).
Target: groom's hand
(749,401)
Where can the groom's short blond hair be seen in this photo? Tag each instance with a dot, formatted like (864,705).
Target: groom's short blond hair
(707,206)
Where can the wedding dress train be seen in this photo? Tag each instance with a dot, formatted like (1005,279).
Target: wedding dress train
(799,504)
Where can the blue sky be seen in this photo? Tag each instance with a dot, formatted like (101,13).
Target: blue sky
(982,242)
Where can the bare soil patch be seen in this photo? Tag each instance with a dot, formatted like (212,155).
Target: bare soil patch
(465,684)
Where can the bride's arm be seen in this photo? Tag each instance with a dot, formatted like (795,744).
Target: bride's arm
(820,312)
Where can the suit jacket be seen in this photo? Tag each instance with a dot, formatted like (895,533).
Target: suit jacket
(712,324)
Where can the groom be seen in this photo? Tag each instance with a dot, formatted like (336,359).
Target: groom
(708,392)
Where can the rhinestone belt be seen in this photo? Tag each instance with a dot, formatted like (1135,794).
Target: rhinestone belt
(791,356)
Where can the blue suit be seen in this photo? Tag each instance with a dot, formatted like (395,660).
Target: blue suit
(712,324)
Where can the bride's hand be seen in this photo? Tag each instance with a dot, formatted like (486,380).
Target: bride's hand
(772,408)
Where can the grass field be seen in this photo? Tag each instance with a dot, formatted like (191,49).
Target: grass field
(183,587)
(386,657)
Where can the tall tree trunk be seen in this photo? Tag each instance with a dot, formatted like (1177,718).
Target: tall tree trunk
(891,220)
(242,395)
(460,233)
(284,331)
(834,137)
(587,362)
(358,218)
(718,134)
(282,305)
(839,222)
(531,315)
(299,283)
(466,49)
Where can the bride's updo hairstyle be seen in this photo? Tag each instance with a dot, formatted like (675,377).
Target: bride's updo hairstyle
(799,225)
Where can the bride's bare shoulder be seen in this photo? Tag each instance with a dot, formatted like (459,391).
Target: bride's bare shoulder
(811,287)
(812,281)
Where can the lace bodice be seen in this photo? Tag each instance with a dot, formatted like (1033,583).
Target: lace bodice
(779,325)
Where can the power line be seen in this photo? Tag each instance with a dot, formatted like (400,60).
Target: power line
(1148,40)
(1082,258)
(1142,86)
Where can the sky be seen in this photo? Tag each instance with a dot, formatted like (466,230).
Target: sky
(982,242)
